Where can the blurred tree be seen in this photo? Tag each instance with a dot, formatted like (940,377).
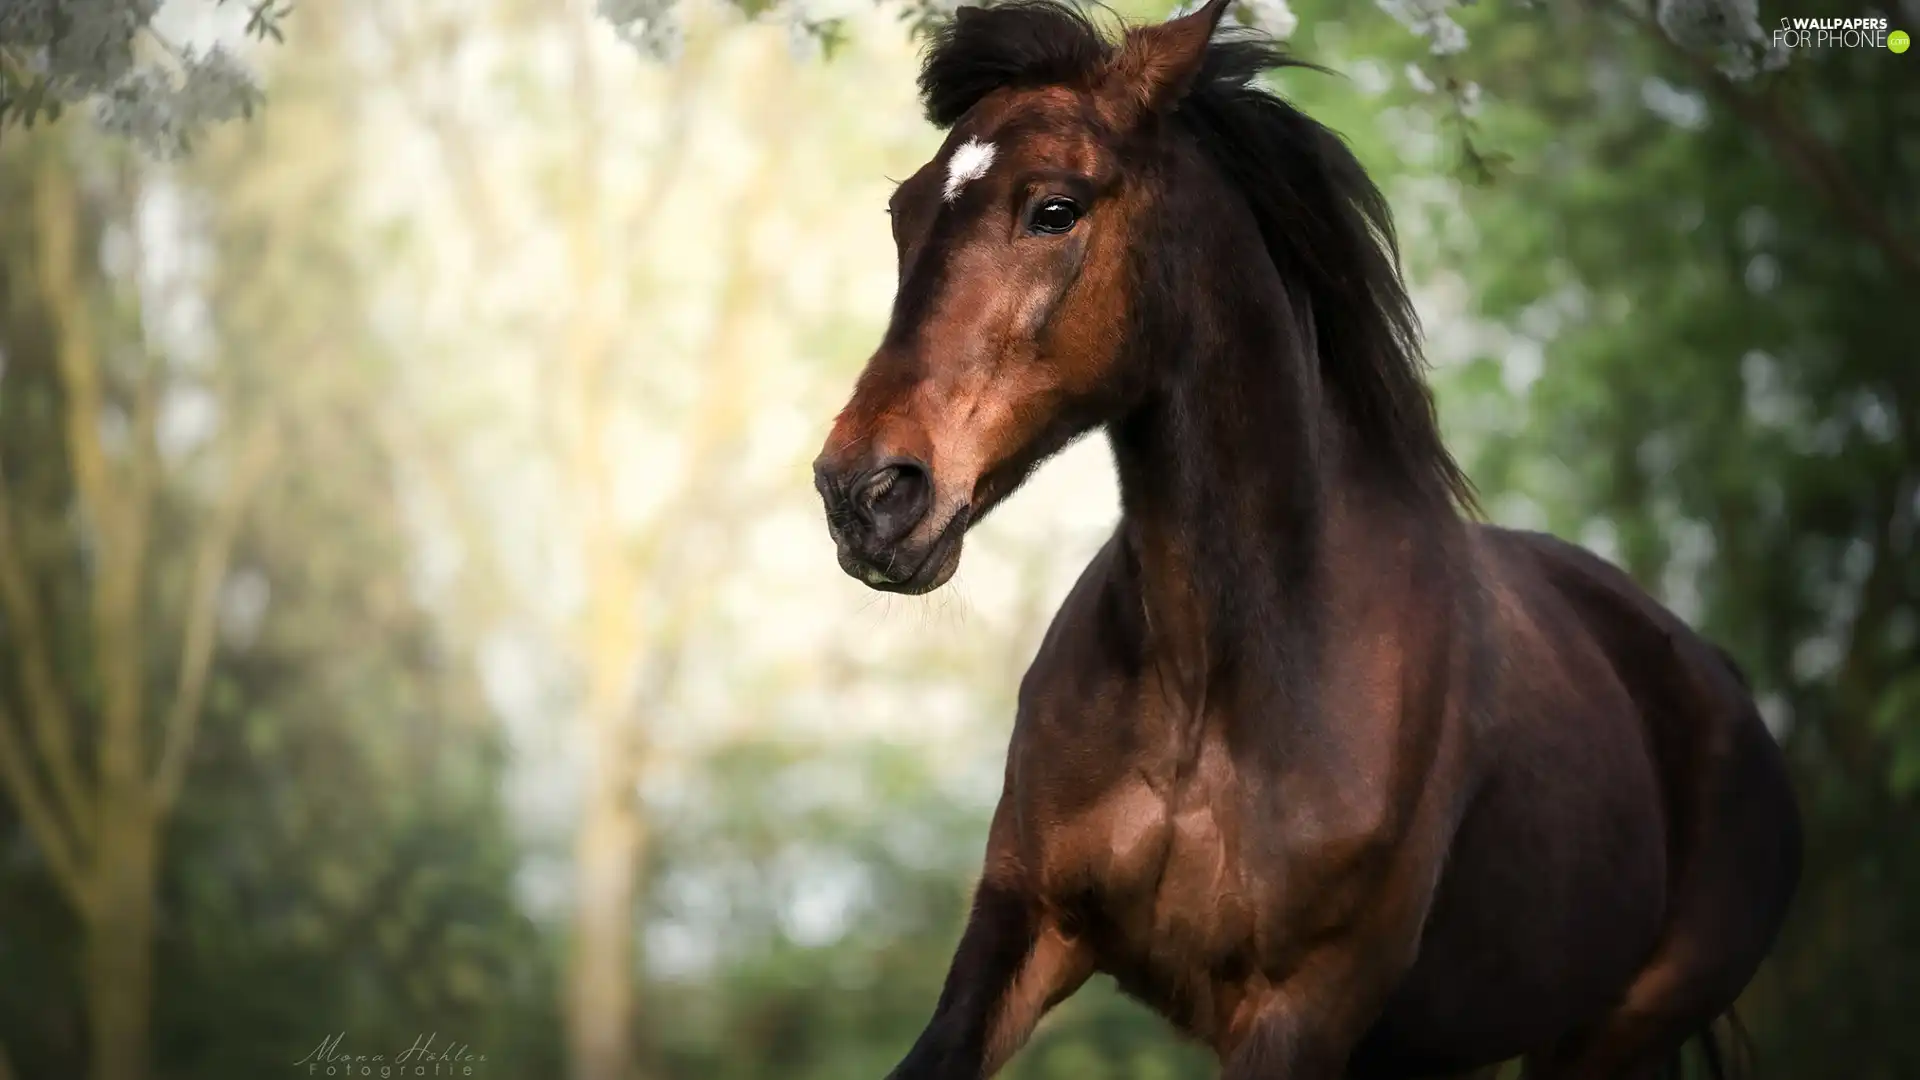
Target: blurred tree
(345,865)
(339,862)
(80,563)
(622,635)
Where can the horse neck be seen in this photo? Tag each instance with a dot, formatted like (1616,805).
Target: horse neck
(1234,484)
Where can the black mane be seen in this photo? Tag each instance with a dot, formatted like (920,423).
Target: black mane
(1325,224)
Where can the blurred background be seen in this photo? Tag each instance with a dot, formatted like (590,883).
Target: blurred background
(418,633)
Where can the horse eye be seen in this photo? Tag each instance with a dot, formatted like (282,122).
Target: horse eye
(1056,215)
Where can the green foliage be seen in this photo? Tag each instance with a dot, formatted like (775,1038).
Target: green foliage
(25,98)
(59,53)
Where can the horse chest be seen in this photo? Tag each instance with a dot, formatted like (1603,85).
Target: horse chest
(1153,862)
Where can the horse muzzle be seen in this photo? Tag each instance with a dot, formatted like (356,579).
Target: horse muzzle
(882,520)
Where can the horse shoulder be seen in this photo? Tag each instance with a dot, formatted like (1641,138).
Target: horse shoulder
(1081,802)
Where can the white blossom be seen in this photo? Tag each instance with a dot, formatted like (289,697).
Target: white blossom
(1271,17)
(808,36)
(1729,31)
(652,26)
(1431,19)
(802,42)
(1705,24)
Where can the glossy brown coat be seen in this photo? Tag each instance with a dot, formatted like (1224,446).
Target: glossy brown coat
(1337,780)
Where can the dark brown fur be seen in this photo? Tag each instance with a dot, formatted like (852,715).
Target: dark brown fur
(1338,781)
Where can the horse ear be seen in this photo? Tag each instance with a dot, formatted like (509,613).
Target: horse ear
(1157,65)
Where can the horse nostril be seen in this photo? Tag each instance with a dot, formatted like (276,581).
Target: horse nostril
(893,498)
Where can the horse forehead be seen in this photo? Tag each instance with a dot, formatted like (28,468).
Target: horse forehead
(1009,106)
(1050,126)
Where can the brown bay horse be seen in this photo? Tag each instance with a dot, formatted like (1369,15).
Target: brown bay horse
(1338,780)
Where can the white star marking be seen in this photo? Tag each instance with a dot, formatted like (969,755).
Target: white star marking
(969,162)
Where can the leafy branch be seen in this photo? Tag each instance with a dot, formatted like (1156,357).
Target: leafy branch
(57,54)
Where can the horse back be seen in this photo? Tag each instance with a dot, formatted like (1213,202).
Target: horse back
(1693,703)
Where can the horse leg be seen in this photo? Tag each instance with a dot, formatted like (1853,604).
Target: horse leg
(1682,990)
(1013,964)
(1306,1028)
(1284,1045)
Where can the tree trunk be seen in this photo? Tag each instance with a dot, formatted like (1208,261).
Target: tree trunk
(600,982)
(119,942)
(600,985)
